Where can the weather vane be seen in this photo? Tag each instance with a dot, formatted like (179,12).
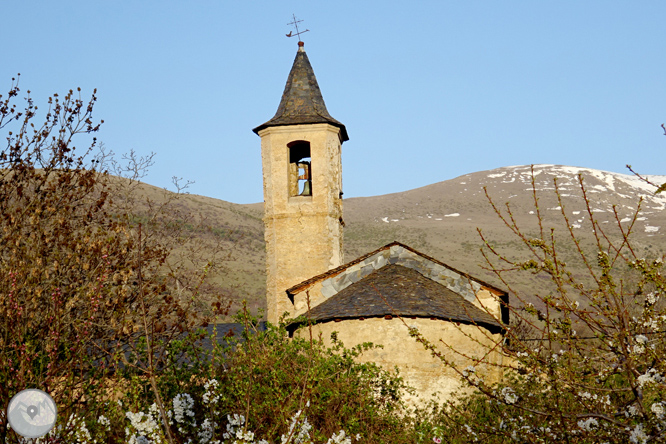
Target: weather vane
(298,33)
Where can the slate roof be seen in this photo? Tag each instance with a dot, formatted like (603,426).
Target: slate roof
(396,290)
(302,102)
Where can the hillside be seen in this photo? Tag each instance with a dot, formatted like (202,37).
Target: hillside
(441,220)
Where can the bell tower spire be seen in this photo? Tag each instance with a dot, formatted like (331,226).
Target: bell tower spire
(302,173)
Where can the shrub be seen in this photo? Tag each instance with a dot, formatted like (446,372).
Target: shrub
(259,385)
(268,377)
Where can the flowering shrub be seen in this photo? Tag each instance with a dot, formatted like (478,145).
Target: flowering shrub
(264,387)
(211,414)
(144,428)
(275,381)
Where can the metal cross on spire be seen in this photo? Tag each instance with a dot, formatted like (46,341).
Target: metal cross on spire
(295,24)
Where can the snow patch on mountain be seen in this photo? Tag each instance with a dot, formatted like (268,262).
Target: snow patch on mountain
(620,185)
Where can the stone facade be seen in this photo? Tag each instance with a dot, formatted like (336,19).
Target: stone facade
(464,346)
(303,233)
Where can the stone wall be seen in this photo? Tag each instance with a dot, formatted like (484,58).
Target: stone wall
(427,374)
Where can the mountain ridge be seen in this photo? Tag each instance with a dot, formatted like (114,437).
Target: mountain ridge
(443,220)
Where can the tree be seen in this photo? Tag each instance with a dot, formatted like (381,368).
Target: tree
(82,286)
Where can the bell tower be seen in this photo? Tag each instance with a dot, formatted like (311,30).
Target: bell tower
(302,172)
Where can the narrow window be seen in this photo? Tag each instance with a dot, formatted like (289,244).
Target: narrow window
(300,169)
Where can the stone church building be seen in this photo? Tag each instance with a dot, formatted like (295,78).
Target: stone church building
(378,296)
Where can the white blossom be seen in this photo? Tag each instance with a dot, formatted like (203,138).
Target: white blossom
(632,410)
(182,405)
(81,433)
(637,435)
(245,436)
(588,424)
(232,422)
(142,422)
(509,395)
(209,397)
(648,377)
(339,438)
(303,435)
(103,420)
(652,324)
(205,434)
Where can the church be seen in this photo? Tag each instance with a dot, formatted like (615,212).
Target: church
(379,296)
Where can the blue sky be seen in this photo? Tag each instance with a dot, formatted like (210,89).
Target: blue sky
(428,90)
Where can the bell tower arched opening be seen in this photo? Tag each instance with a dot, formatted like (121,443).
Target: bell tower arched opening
(300,169)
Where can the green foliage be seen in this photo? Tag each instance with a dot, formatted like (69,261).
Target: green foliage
(283,388)
(269,376)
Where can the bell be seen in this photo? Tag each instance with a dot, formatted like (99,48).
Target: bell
(307,191)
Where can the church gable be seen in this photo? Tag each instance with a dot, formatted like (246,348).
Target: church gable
(326,285)
(396,290)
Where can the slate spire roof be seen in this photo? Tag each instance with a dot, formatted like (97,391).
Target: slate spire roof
(302,102)
(394,290)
